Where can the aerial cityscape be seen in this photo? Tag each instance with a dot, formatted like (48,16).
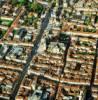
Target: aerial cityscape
(48,49)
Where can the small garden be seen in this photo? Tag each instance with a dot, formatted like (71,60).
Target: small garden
(2,32)
(5,22)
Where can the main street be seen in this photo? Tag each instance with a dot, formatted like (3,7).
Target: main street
(32,54)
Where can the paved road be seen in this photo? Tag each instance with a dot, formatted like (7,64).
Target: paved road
(31,55)
(15,22)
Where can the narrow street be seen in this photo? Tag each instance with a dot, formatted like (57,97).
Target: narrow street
(14,23)
(94,66)
(60,8)
(89,88)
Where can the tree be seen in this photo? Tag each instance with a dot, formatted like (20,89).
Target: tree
(14,2)
(87,20)
(37,8)
(22,2)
